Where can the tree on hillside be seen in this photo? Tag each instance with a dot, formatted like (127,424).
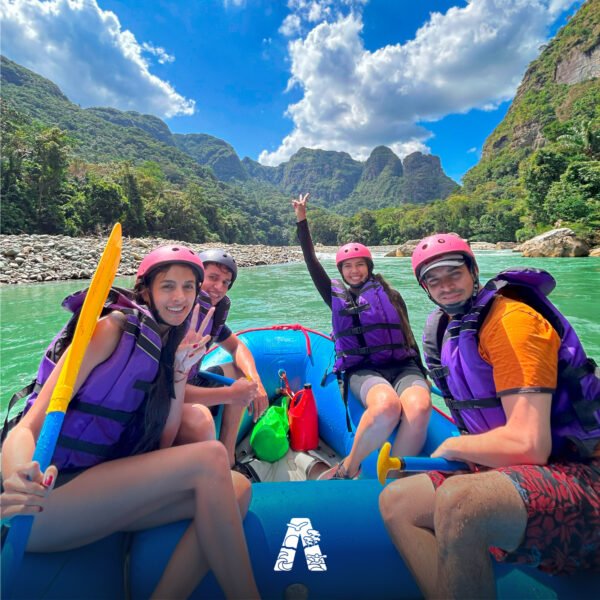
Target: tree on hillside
(582,138)
(325,226)
(360,228)
(134,223)
(575,198)
(47,177)
(104,204)
(17,214)
(543,168)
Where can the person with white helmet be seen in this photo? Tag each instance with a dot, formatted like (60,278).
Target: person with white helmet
(247,391)
(115,465)
(376,352)
(516,380)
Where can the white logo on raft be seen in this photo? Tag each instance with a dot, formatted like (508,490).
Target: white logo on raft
(301,528)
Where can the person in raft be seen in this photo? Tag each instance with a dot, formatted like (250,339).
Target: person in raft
(118,467)
(517,380)
(220,273)
(375,350)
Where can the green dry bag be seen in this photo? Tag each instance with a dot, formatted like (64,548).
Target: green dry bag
(269,438)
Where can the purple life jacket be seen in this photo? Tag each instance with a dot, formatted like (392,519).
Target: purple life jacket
(451,347)
(215,324)
(366,327)
(100,422)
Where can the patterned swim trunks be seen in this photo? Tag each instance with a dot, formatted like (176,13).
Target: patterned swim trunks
(563,515)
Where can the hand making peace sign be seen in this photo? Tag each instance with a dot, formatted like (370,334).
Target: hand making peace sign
(193,346)
(300,206)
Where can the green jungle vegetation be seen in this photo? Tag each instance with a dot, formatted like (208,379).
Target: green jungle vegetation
(75,171)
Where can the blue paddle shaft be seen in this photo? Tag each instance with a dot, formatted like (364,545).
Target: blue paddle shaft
(16,541)
(417,464)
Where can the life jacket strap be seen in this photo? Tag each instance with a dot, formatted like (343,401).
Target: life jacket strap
(367,350)
(87,447)
(351,331)
(439,373)
(97,410)
(344,387)
(9,423)
(354,310)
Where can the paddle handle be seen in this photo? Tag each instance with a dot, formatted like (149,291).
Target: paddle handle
(16,541)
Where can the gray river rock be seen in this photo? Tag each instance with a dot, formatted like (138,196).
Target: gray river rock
(39,258)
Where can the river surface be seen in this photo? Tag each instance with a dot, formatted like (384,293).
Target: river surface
(30,315)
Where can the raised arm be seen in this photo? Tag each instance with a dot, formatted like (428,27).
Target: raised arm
(317,273)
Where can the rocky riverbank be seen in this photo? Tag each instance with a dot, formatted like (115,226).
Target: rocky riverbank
(39,258)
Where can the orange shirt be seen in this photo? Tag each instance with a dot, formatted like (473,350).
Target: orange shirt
(521,346)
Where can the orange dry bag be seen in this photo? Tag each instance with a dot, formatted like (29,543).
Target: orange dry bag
(304,426)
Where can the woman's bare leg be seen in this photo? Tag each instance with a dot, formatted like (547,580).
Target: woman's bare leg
(376,424)
(178,580)
(197,425)
(416,411)
(112,496)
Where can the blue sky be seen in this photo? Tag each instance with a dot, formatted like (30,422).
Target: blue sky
(272,76)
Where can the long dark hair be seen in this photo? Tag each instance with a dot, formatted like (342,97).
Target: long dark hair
(156,408)
(400,306)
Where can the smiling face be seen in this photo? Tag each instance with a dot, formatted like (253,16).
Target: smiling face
(217,280)
(173,294)
(449,286)
(355,271)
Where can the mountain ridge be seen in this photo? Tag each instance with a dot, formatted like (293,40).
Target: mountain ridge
(334,178)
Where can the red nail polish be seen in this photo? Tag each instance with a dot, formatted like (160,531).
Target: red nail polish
(48,481)
(195,346)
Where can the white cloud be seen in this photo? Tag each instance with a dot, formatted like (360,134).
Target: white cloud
(308,12)
(236,3)
(292,25)
(84,50)
(159,52)
(354,99)
(472,150)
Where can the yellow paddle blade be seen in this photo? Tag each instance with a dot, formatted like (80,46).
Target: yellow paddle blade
(90,311)
(386,463)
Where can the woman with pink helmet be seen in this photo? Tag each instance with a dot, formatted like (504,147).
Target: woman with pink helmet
(117,465)
(376,352)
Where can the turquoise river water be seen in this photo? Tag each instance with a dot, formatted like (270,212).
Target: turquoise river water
(30,315)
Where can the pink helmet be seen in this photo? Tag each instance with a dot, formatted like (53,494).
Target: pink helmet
(164,255)
(353,250)
(436,246)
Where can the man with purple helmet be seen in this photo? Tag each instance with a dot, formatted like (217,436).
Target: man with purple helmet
(516,380)
(375,349)
(247,390)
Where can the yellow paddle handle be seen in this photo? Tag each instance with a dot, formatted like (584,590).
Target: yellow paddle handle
(386,463)
(88,318)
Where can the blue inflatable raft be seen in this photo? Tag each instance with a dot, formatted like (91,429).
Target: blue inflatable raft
(336,545)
